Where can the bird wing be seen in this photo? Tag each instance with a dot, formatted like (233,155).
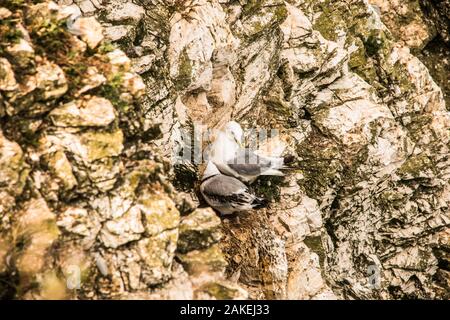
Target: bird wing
(246,169)
(225,189)
(248,163)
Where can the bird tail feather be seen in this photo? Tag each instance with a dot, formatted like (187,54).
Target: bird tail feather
(272,172)
(260,203)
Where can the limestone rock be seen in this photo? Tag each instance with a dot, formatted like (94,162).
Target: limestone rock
(203,261)
(122,230)
(199,230)
(79,221)
(61,167)
(89,30)
(91,112)
(22,52)
(50,80)
(158,253)
(120,33)
(220,291)
(142,64)
(125,12)
(5,13)
(7,78)
(13,173)
(406,21)
(159,212)
(38,223)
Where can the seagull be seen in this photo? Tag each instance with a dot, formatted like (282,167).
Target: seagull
(227,143)
(249,170)
(227,194)
(233,160)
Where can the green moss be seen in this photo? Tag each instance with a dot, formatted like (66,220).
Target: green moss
(257,27)
(281,13)
(361,63)
(9,33)
(391,199)
(415,165)
(198,261)
(184,71)
(269,187)
(398,75)
(358,58)
(374,42)
(106,47)
(220,291)
(51,38)
(315,245)
(13,36)
(329,21)
(112,91)
(199,230)
(259,18)
(147,170)
(18,4)
(321,164)
(74,72)
(252,6)
(102,144)
(160,213)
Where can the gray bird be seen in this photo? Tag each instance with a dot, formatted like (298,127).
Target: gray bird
(227,194)
(244,164)
(247,166)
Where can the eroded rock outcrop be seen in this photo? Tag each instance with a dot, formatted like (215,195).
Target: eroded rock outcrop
(86,211)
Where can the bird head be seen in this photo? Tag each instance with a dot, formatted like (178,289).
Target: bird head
(234,130)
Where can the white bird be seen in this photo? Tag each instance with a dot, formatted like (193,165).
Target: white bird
(244,164)
(227,194)
(227,143)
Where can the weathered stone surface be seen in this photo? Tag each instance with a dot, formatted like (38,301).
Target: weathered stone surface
(406,21)
(157,253)
(199,230)
(220,291)
(89,30)
(22,52)
(142,64)
(61,168)
(120,33)
(36,226)
(7,78)
(122,230)
(13,174)
(91,112)
(51,81)
(159,212)
(203,261)
(124,11)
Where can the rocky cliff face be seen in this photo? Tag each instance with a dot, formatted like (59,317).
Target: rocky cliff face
(96,204)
